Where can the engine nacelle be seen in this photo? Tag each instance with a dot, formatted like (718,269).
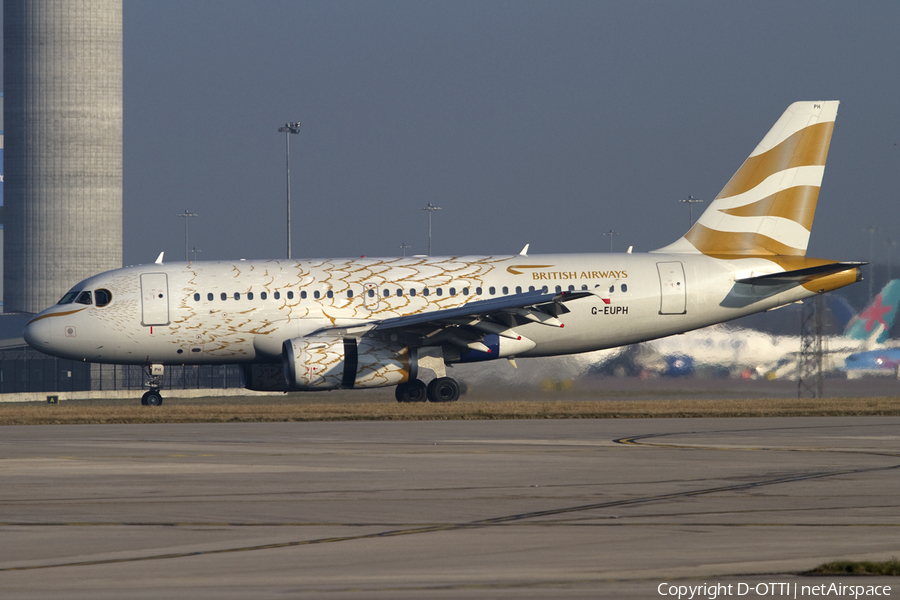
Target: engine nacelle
(327,363)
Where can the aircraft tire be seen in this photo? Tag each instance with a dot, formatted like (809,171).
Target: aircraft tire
(152,398)
(411,391)
(443,389)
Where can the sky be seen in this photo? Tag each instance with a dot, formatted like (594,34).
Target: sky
(541,123)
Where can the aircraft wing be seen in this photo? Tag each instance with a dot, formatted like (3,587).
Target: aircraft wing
(466,326)
(535,302)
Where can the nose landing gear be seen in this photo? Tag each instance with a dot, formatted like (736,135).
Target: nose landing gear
(154,380)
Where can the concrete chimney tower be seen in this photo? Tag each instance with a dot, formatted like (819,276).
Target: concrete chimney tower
(62,83)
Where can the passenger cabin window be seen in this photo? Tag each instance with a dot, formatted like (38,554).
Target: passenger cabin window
(224,296)
(492,290)
(505,290)
(624,287)
(440,291)
(558,289)
(277,295)
(316,294)
(237,295)
(371,293)
(426,292)
(478,291)
(412,291)
(303,295)
(465,291)
(249,295)
(452,291)
(349,293)
(329,294)
(399,292)
(387,293)
(290,295)
(210,296)
(518,289)
(196,298)
(104,297)
(530,288)
(263,295)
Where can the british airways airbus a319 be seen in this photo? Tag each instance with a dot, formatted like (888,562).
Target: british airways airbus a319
(372,322)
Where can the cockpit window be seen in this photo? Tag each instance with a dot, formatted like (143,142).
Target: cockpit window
(102,297)
(84,298)
(69,298)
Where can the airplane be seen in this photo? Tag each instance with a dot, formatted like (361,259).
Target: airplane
(883,361)
(744,352)
(323,324)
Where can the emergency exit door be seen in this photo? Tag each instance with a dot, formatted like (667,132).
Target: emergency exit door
(154,299)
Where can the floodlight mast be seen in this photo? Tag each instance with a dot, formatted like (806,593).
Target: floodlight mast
(691,201)
(288,129)
(430,208)
(186,215)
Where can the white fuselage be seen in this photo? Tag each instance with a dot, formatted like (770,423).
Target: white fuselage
(243,311)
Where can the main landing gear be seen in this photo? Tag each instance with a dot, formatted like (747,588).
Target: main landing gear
(153,397)
(442,389)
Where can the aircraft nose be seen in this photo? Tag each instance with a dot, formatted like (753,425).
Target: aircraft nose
(37,333)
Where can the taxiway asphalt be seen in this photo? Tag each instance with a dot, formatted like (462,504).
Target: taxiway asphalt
(461,509)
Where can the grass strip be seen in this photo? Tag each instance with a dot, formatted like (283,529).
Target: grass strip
(254,410)
(865,567)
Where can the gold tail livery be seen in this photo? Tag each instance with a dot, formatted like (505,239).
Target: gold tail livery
(372,322)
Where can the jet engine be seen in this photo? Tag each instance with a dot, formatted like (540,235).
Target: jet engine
(327,363)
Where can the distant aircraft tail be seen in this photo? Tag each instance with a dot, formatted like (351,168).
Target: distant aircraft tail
(767,207)
(877,318)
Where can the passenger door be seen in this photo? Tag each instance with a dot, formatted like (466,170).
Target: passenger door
(154,299)
(673,295)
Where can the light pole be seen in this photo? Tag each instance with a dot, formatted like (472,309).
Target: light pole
(194,251)
(891,245)
(691,201)
(186,215)
(288,129)
(430,208)
(610,233)
(871,229)
(403,247)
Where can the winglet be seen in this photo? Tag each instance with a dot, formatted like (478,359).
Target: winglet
(524,251)
(159,259)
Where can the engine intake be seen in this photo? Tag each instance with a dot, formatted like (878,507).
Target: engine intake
(327,363)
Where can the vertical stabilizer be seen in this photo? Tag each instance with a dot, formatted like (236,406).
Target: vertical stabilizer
(767,207)
(878,317)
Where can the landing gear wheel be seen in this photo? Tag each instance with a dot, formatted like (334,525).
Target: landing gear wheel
(411,391)
(443,389)
(152,398)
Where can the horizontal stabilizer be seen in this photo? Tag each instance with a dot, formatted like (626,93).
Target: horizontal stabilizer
(800,276)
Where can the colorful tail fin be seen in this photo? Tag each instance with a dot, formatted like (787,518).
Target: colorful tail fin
(878,317)
(767,207)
